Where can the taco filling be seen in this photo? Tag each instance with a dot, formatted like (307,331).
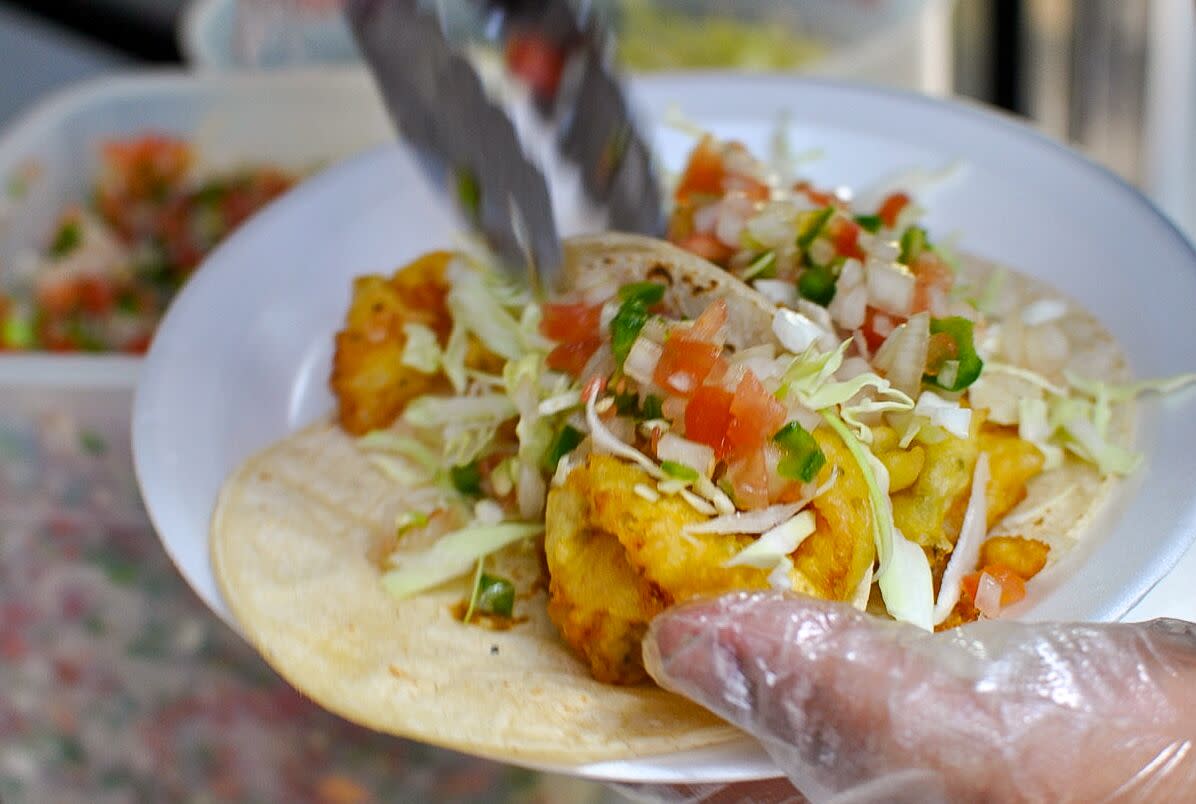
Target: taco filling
(664,456)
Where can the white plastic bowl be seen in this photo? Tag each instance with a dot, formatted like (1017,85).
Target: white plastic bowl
(243,356)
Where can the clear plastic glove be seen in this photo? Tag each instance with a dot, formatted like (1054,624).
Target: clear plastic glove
(855,708)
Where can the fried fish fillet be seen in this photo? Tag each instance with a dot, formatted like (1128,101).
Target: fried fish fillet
(616,559)
(370,381)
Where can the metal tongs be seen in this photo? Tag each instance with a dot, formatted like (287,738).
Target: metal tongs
(467,141)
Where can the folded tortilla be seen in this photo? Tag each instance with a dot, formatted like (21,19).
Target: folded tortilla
(295,524)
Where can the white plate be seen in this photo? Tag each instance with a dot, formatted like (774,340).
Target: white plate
(243,355)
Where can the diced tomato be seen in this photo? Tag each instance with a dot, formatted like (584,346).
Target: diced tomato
(593,386)
(572,357)
(684,364)
(705,171)
(706,246)
(708,416)
(139,344)
(96,295)
(931,275)
(571,322)
(709,325)
(1013,588)
(749,480)
(816,196)
(536,60)
(58,296)
(755,416)
(891,208)
(845,235)
(878,326)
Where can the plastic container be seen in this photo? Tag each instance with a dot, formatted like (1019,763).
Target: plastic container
(64,419)
(905,43)
(48,158)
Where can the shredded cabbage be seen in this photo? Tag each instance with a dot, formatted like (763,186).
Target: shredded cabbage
(402,473)
(1034,426)
(904,574)
(775,544)
(410,448)
(430,412)
(478,304)
(451,555)
(967,547)
(421,351)
(1122,393)
(907,586)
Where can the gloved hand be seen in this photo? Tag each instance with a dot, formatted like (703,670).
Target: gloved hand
(855,708)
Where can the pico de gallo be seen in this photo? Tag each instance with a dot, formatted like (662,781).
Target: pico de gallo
(110,267)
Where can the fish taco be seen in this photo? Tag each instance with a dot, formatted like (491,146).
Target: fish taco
(469,552)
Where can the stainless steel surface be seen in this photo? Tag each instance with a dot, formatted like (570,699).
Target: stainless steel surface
(464,138)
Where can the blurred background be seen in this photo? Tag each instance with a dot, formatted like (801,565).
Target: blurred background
(116,684)
(1116,77)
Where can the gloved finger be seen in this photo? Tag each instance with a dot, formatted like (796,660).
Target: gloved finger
(765,791)
(1009,710)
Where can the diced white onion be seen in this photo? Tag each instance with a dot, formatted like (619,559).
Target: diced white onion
(1043,311)
(641,360)
(774,224)
(850,275)
(795,331)
(656,329)
(988,596)
(890,287)
(608,313)
(698,457)
(849,308)
(777,291)
(759,521)
(705,218)
(902,357)
(967,546)
(822,252)
(949,373)
(880,248)
(951,416)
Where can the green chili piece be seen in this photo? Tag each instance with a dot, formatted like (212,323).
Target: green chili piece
(467,479)
(564,442)
(970,365)
(869,223)
(496,595)
(803,458)
(814,226)
(632,315)
(817,284)
(913,243)
(679,471)
(66,239)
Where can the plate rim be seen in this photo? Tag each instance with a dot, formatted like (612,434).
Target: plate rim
(975,110)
